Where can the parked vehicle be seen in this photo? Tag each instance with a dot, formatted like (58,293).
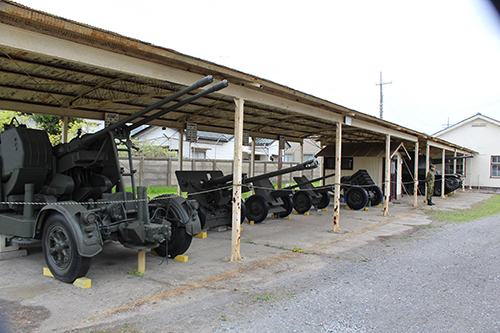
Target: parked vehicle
(71,197)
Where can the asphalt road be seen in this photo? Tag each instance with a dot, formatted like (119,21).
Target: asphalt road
(439,278)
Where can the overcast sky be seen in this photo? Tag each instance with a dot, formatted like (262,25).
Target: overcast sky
(442,56)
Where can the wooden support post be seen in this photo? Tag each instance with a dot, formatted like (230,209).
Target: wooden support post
(427,165)
(252,159)
(302,157)
(237,179)
(64,130)
(443,168)
(181,153)
(387,189)
(169,171)
(415,177)
(141,262)
(464,164)
(338,159)
(455,162)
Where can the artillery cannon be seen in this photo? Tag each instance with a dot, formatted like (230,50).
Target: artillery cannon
(269,200)
(452,181)
(213,191)
(72,197)
(358,190)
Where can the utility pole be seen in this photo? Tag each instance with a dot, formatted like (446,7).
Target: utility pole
(381,95)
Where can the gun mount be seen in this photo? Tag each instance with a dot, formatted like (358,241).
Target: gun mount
(269,200)
(452,181)
(213,191)
(72,197)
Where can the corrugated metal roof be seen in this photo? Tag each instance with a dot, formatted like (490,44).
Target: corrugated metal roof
(215,136)
(34,78)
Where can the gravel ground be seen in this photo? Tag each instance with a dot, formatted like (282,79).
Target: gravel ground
(439,278)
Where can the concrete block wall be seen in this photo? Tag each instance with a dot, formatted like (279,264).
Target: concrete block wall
(161,172)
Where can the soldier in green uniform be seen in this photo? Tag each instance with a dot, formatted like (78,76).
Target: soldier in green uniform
(429,180)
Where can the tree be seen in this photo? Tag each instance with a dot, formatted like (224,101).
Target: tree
(6,117)
(51,124)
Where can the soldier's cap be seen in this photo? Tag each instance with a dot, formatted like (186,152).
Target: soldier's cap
(432,166)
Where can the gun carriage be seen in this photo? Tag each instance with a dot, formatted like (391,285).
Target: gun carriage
(213,191)
(71,197)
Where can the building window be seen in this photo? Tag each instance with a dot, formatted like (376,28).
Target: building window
(288,158)
(460,167)
(199,154)
(308,157)
(495,166)
(345,164)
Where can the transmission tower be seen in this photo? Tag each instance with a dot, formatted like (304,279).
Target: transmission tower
(381,95)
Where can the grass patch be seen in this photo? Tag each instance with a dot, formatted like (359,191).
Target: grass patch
(486,208)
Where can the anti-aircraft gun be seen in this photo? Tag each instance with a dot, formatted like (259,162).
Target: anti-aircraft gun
(213,191)
(72,197)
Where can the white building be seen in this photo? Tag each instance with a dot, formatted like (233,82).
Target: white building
(216,146)
(479,133)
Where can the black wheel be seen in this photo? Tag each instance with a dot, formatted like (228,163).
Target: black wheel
(451,184)
(180,240)
(356,197)
(378,195)
(325,200)
(243,215)
(202,215)
(60,250)
(437,190)
(302,202)
(287,205)
(257,208)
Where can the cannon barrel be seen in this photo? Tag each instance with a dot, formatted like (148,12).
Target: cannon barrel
(217,181)
(311,164)
(218,86)
(90,138)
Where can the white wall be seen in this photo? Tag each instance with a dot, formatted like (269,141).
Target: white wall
(482,136)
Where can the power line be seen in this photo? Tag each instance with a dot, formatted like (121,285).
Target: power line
(381,95)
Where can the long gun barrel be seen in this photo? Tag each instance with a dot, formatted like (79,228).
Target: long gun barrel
(218,86)
(89,138)
(311,164)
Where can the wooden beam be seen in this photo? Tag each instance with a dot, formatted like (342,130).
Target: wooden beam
(237,180)
(387,189)
(415,177)
(338,167)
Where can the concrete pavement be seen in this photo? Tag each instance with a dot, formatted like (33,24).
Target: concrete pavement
(40,302)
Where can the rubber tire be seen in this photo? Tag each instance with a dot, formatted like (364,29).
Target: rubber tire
(288,205)
(378,195)
(180,240)
(202,215)
(59,244)
(437,190)
(243,213)
(451,184)
(325,200)
(257,208)
(302,202)
(356,198)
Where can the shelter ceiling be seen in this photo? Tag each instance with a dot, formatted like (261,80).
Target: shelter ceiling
(37,79)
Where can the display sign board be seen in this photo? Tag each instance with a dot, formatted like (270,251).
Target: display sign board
(191,132)
(246,138)
(111,118)
(282,142)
